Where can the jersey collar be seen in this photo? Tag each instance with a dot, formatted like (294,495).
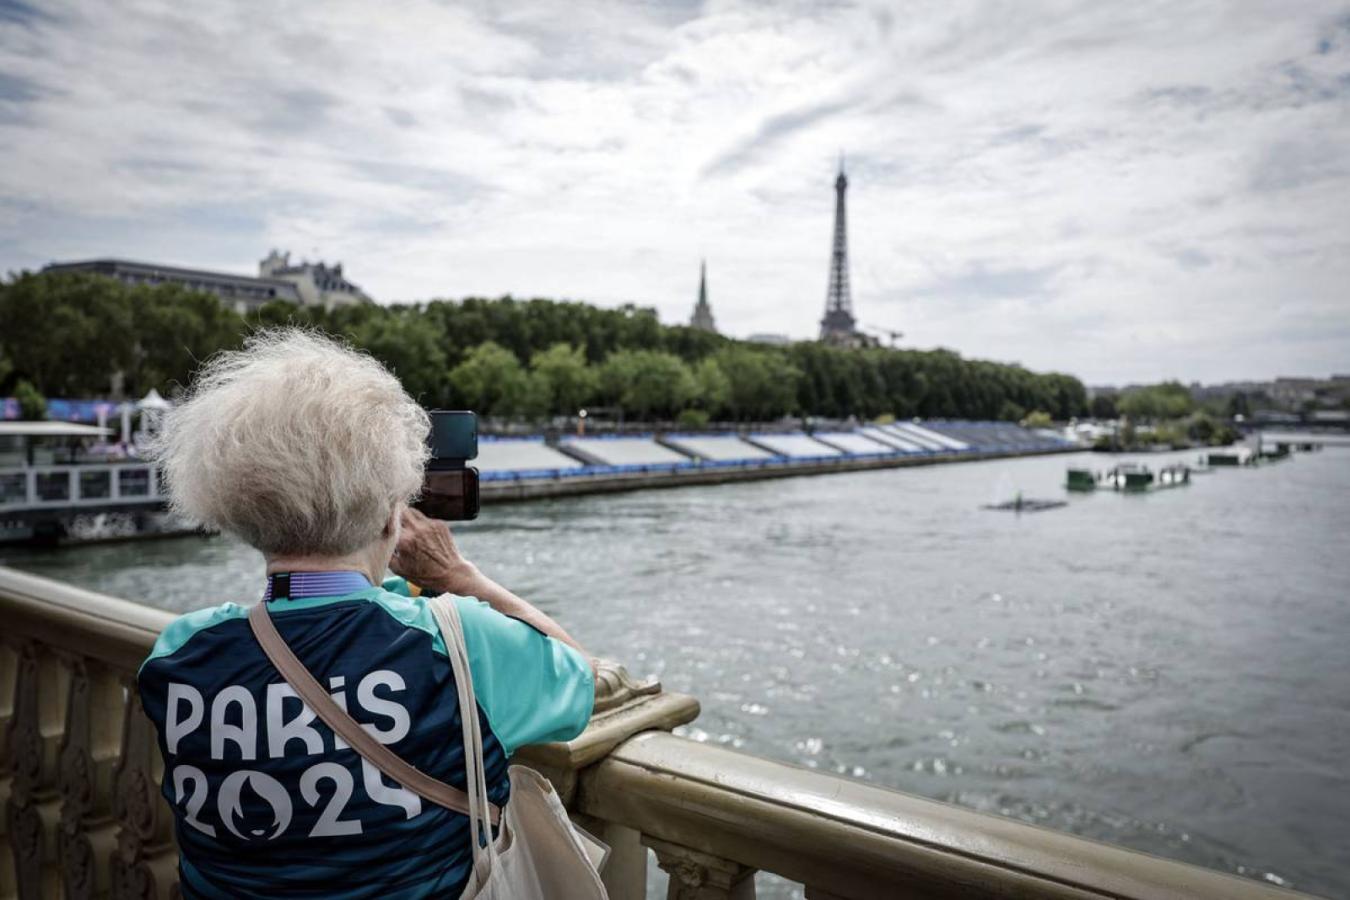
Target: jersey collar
(304,585)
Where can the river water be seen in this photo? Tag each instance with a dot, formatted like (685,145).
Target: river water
(1169,672)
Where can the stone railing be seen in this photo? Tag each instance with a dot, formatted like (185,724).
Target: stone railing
(80,774)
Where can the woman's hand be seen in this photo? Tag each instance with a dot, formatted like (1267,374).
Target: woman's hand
(426,555)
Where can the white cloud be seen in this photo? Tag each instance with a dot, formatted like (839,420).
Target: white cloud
(1123,191)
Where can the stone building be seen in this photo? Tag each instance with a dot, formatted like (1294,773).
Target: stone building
(304,284)
(317,283)
(242,293)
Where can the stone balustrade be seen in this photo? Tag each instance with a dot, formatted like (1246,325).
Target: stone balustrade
(84,818)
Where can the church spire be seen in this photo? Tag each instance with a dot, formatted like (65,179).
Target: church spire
(703,317)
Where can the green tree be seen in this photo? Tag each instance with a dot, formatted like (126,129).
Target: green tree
(647,383)
(763,384)
(712,388)
(397,338)
(491,381)
(174,331)
(1104,407)
(1158,402)
(277,313)
(32,405)
(564,381)
(1038,419)
(692,419)
(66,333)
(1201,428)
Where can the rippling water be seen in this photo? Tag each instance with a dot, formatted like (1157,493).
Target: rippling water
(1168,672)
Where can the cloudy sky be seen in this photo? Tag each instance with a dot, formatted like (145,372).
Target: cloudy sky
(1125,191)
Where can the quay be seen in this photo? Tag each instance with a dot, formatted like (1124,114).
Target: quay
(46,498)
(84,816)
(529,468)
(1306,439)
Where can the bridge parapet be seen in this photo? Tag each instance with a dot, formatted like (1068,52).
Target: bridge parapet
(80,775)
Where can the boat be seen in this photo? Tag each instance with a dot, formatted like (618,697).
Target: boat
(1230,456)
(1174,475)
(1082,480)
(1021,504)
(1275,452)
(1136,478)
(1127,477)
(61,481)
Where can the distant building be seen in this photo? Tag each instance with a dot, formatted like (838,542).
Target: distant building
(774,340)
(317,283)
(703,317)
(1275,417)
(1293,392)
(242,293)
(304,284)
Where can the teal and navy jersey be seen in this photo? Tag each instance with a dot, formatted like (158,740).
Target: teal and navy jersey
(269,802)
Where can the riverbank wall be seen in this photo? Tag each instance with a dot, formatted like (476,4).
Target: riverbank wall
(519,469)
(503,490)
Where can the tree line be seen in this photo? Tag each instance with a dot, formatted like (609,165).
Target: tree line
(80,335)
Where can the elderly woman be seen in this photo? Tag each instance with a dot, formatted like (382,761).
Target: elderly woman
(310,452)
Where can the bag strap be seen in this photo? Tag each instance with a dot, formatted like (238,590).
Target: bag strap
(360,740)
(447,618)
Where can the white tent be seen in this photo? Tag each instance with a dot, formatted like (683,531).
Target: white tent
(152,408)
(153,402)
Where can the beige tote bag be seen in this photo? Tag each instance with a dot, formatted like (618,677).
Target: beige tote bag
(538,854)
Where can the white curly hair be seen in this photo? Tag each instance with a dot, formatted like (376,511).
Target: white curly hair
(297,443)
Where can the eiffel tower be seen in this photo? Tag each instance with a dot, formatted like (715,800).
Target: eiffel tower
(839,327)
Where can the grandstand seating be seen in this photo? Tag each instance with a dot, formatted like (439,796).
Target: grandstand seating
(892,438)
(854,443)
(516,454)
(627,451)
(795,446)
(717,447)
(524,458)
(920,432)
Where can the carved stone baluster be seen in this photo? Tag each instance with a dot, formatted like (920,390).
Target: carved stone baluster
(33,808)
(145,864)
(699,876)
(9,669)
(625,871)
(88,757)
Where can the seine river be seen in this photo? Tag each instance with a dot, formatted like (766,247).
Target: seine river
(1169,672)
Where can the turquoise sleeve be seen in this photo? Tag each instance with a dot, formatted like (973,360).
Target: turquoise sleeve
(400,586)
(532,688)
(180,630)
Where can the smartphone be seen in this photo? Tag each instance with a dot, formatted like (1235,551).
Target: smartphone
(450,486)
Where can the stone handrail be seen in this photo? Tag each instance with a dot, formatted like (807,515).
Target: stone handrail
(80,773)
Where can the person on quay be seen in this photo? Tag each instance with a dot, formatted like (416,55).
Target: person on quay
(310,452)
